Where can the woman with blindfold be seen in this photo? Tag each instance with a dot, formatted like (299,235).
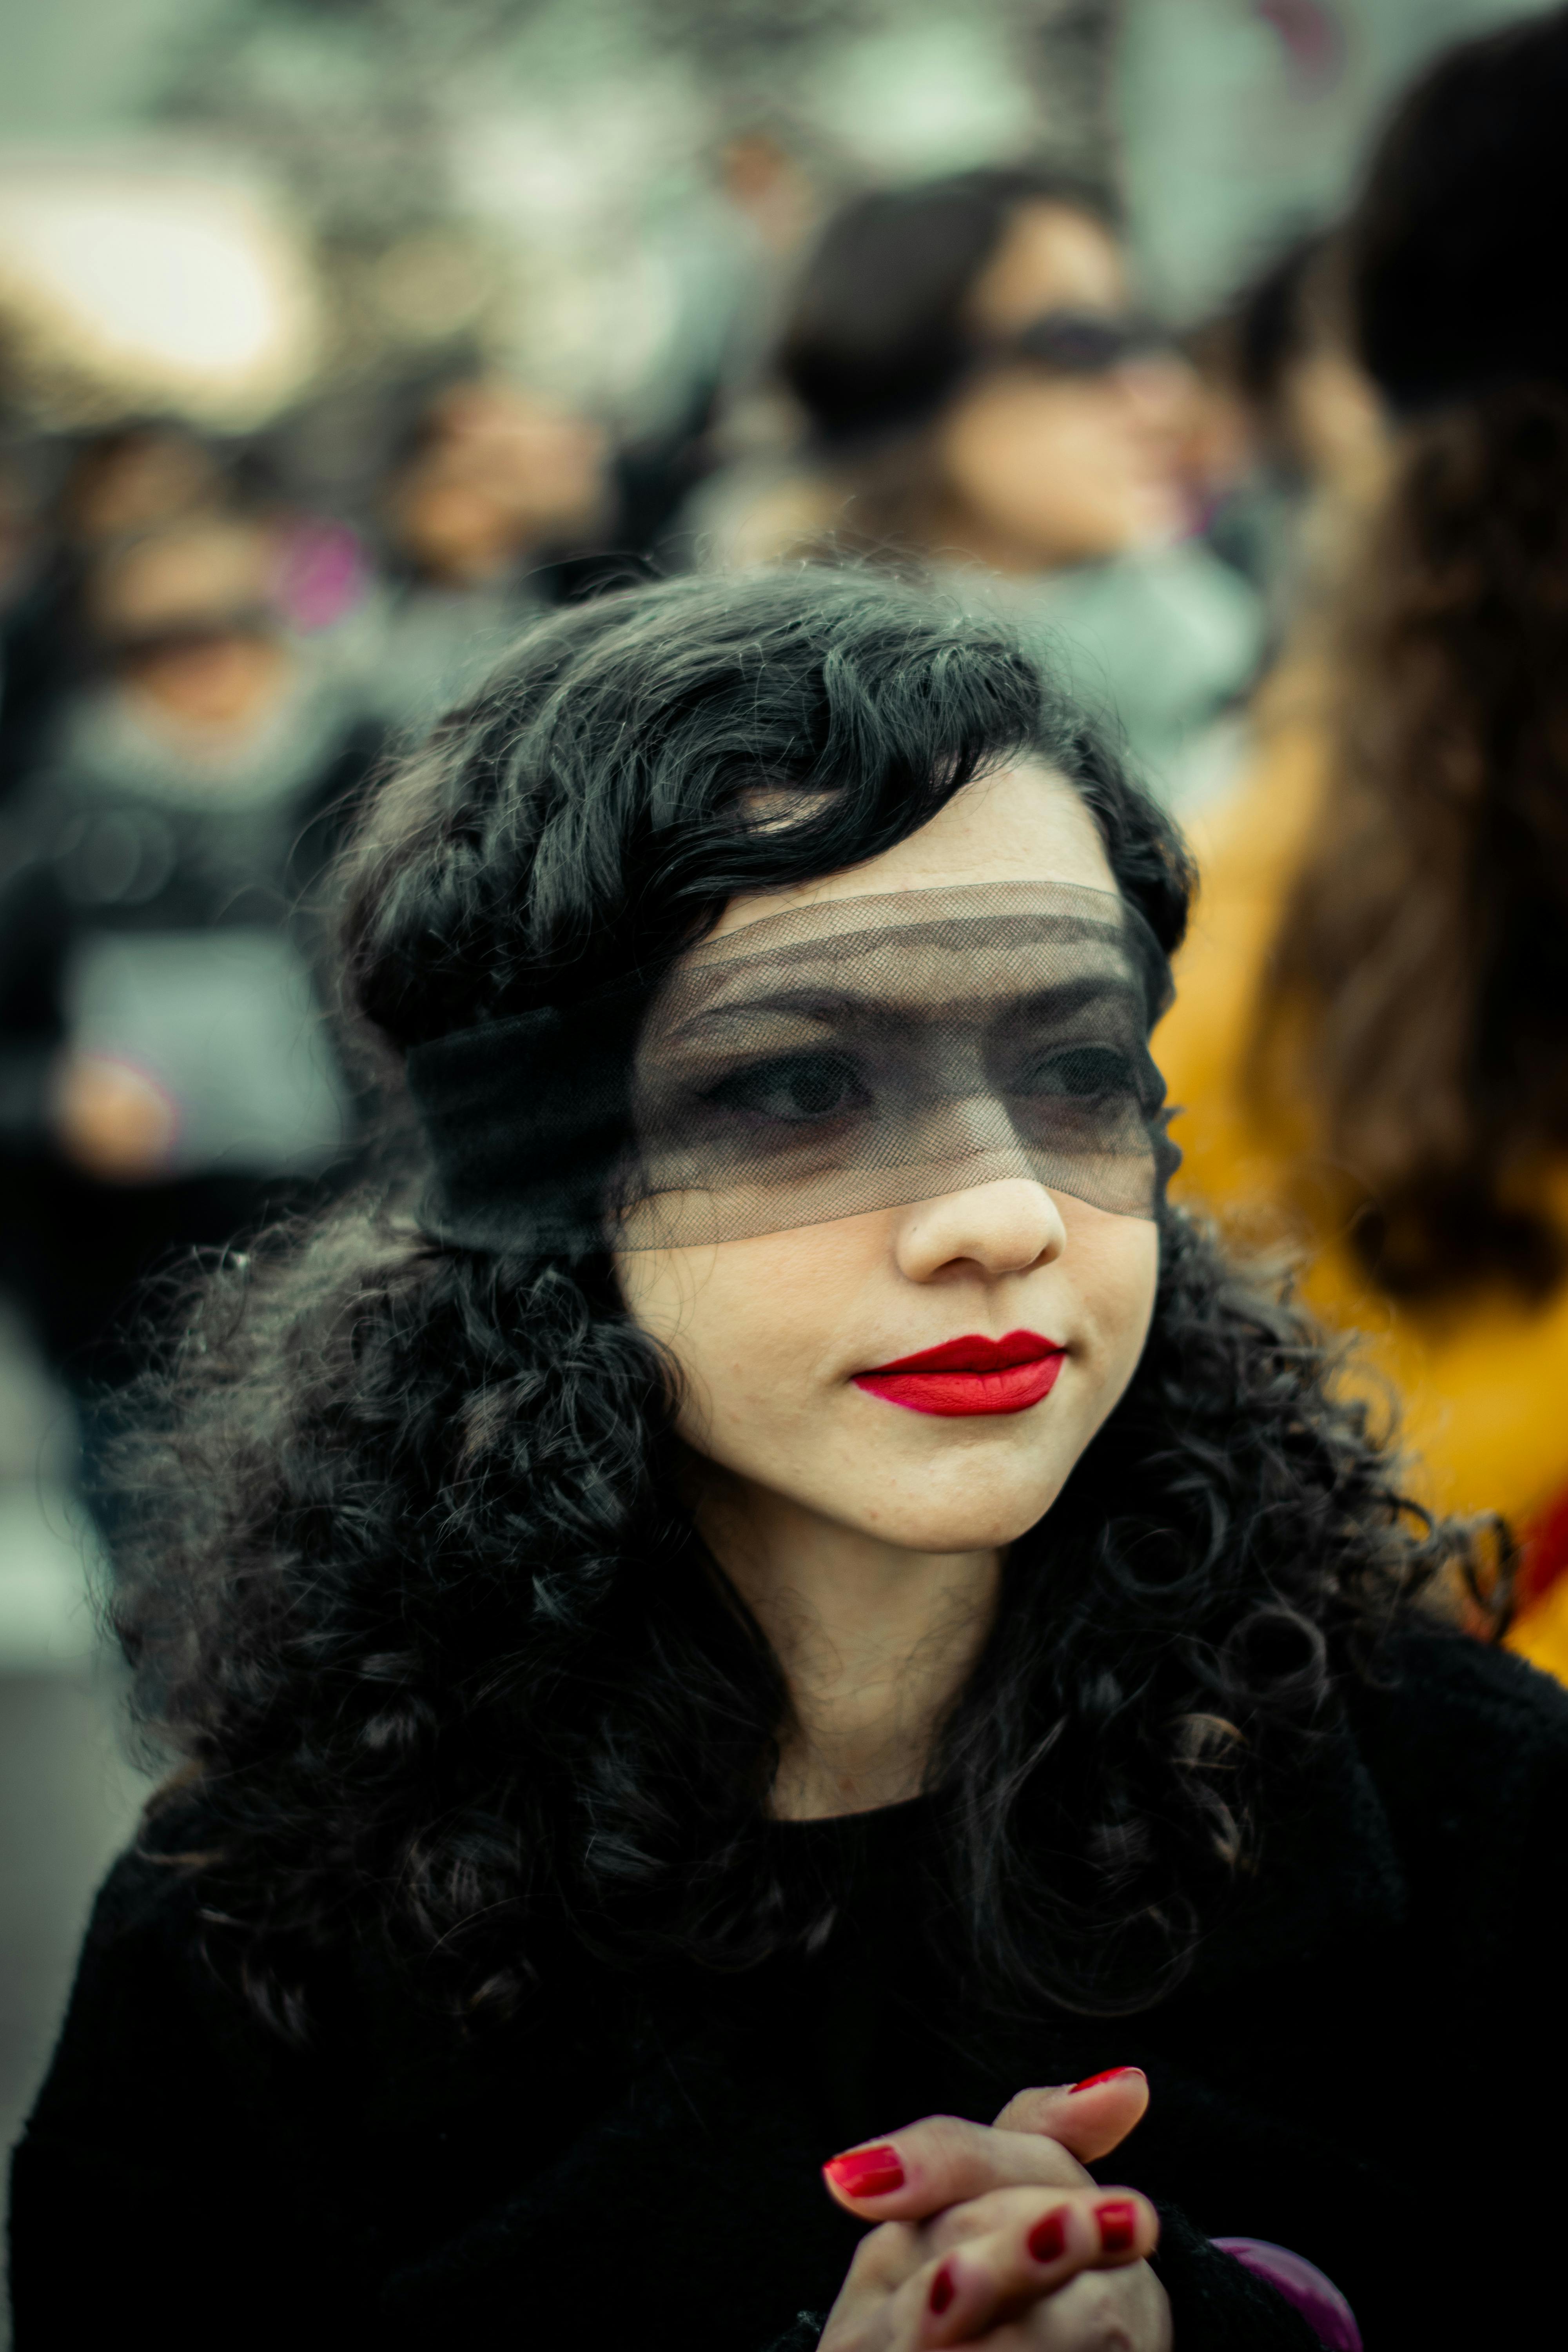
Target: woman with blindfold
(798,1719)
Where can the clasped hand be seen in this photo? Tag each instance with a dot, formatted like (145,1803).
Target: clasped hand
(996,2236)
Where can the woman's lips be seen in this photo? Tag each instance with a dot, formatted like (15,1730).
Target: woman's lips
(971,1375)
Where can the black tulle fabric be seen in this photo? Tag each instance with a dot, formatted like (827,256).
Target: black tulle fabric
(850,1054)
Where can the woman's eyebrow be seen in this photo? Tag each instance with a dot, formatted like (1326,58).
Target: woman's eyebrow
(827,1006)
(823,1005)
(1079,995)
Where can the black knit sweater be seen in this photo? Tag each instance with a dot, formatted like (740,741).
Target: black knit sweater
(1363,2066)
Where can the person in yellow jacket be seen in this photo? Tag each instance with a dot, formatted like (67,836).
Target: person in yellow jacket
(1370,1035)
(1477,1369)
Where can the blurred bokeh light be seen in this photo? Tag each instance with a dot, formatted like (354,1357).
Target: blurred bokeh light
(126,287)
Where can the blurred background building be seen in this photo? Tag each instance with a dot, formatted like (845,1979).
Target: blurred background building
(338,336)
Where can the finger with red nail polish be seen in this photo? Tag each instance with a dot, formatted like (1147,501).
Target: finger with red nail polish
(1089,2118)
(1047,2242)
(1116,2220)
(941,2161)
(864,2172)
(1111,2074)
(996,2256)
(1042,2136)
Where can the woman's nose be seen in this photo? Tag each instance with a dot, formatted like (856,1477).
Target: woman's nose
(1001,1228)
(1159,390)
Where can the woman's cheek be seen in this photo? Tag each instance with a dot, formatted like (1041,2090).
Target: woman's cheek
(1115,1265)
(1130,1277)
(745,1369)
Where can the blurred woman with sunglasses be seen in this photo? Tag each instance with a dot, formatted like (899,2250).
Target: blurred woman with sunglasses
(980,392)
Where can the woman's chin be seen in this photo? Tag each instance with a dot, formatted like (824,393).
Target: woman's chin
(949,1523)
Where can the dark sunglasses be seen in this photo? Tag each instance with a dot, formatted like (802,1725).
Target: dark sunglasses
(131,647)
(1079,342)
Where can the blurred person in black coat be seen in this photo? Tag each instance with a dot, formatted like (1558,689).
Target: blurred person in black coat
(492,485)
(164,1069)
(115,486)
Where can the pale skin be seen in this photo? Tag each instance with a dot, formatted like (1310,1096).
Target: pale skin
(970,2214)
(867,1541)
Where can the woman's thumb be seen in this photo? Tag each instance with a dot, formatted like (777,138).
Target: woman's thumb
(1088,2118)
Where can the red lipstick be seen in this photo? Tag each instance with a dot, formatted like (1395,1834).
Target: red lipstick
(971,1375)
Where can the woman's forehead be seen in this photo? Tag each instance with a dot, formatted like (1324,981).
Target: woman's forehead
(1054,256)
(1023,823)
(958,959)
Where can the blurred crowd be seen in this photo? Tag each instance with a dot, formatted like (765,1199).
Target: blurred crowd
(1305,556)
(200,677)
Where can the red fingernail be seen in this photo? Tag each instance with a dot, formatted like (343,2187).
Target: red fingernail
(1111,2074)
(1118,2226)
(943,2289)
(1048,2241)
(866,2172)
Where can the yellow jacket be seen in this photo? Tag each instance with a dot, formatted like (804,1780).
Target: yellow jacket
(1483,1385)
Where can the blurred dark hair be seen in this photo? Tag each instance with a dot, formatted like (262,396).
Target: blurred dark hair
(1419,986)
(877,340)
(1271,319)
(1465,200)
(408,1582)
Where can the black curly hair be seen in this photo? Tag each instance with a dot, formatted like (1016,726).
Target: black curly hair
(404,1573)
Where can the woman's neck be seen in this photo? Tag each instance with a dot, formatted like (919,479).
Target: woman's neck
(875,1643)
(954,534)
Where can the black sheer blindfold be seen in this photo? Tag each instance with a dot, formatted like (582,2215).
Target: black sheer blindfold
(848,1055)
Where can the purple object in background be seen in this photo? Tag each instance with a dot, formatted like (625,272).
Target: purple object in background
(1317,2298)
